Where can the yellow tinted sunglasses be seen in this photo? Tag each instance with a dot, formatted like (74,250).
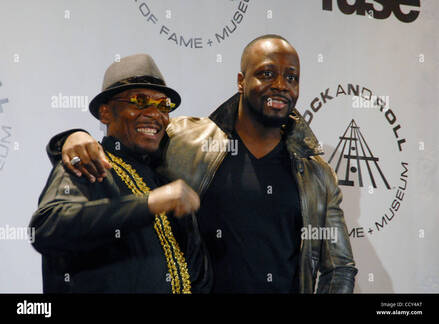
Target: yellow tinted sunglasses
(142,101)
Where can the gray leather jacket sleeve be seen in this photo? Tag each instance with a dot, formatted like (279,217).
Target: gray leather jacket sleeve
(337,267)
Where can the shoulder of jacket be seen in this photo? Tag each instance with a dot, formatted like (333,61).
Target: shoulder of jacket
(184,122)
(63,179)
(58,172)
(327,172)
(55,182)
(188,119)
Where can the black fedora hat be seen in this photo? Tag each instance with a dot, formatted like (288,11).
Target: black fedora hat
(135,71)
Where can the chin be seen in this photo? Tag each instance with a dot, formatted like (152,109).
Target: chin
(275,120)
(268,118)
(147,149)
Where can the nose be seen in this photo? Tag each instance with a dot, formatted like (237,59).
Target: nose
(280,84)
(152,112)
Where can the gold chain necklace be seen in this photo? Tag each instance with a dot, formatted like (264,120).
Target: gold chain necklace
(161,226)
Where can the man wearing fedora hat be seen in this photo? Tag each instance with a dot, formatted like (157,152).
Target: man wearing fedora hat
(133,232)
(256,205)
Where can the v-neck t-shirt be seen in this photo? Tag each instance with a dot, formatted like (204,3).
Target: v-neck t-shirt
(250,220)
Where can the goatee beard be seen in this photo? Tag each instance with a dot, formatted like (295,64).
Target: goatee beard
(267,121)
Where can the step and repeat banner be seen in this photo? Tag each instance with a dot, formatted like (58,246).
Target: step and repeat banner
(369,90)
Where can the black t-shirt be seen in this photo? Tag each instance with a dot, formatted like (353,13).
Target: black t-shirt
(250,220)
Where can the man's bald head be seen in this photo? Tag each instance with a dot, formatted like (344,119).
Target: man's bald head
(269,79)
(247,50)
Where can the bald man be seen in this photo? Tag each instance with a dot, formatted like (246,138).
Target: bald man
(260,200)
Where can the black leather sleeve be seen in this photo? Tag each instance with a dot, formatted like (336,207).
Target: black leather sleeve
(54,147)
(74,215)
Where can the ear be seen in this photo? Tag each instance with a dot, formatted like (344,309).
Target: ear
(240,82)
(105,114)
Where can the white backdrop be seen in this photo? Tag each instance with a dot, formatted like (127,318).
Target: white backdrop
(54,53)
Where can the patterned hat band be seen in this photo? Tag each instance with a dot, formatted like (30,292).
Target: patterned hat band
(137,79)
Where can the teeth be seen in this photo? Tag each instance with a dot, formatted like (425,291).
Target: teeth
(275,100)
(149,131)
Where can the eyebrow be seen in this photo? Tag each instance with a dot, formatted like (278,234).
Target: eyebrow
(270,65)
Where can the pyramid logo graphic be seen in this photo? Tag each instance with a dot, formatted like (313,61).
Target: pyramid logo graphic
(352,155)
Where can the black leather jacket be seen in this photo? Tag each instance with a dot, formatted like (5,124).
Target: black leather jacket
(320,195)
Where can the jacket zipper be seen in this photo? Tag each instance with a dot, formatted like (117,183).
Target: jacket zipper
(297,169)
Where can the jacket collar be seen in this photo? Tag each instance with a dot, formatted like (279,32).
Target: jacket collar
(298,136)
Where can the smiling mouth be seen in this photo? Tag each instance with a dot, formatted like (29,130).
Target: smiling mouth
(147,130)
(277,102)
